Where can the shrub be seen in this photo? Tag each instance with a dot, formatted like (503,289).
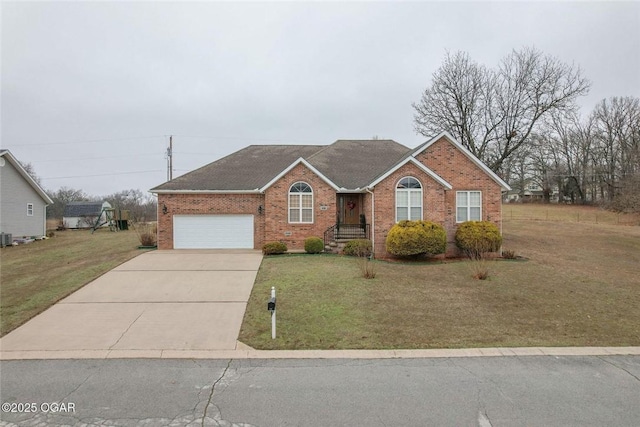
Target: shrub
(367,267)
(476,238)
(509,254)
(410,238)
(480,269)
(313,245)
(358,247)
(274,248)
(147,234)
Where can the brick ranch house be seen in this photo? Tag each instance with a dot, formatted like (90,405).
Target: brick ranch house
(349,189)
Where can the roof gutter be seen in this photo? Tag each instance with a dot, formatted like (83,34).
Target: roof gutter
(256,191)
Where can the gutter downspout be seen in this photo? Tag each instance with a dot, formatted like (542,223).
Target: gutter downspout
(373,221)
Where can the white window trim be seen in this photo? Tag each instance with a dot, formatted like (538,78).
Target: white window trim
(408,190)
(468,206)
(300,209)
(29,209)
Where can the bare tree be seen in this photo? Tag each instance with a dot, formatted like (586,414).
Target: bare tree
(141,206)
(60,199)
(494,112)
(570,145)
(459,101)
(616,136)
(28,167)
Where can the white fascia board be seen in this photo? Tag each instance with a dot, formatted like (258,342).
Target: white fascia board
(16,164)
(469,154)
(293,165)
(422,167)
(343,190)
(256,191)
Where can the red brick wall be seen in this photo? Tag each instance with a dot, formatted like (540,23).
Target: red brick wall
(277,226)
(451,164)
(208,204)
(385,203)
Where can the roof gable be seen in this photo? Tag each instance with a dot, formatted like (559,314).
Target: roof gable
(422,167)
(6,156)
(466,152)
(293,165)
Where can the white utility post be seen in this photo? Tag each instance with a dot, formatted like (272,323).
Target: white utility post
(272,309)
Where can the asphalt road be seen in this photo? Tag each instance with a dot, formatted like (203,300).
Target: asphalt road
(482,391)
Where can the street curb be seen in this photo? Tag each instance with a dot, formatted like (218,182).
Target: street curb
(247,353)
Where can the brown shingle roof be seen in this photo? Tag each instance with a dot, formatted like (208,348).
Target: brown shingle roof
(349,164)
(354,164)
(245,170)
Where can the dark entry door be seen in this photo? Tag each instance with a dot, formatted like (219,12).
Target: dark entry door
(350,208)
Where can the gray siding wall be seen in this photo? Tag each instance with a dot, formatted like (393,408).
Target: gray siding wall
(15,193)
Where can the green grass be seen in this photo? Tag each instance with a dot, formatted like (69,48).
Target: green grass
(555,212)
(578,287)
(37,275)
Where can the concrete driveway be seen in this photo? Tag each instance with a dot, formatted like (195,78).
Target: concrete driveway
(158,302)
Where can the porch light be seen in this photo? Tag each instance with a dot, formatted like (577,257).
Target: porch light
(260,210)
(164,209)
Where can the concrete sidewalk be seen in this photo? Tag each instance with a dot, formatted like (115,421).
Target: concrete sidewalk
(158,301)
(245,352)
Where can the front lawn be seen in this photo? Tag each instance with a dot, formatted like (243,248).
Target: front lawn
(37,275)
(579,287)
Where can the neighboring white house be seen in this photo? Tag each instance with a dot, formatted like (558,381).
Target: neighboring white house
(84,214)
(23,203)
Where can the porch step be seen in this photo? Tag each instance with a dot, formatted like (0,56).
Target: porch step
(336,246)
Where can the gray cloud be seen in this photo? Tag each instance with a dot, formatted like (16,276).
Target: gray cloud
(221,76)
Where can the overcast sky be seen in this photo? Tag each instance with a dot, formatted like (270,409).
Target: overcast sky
(91,91)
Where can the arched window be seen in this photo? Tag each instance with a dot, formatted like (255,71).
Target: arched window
(300,203)
(408,199)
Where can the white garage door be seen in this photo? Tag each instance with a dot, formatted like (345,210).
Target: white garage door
(213,231)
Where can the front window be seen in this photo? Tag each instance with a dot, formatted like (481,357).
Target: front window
(468,206)
(300,203)
(408,199)
(29,209)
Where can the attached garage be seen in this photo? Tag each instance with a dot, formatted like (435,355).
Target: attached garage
(213,231)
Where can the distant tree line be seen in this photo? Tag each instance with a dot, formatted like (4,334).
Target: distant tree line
(522,120)
(142,207)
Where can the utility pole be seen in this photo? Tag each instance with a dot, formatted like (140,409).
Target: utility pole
(170,159)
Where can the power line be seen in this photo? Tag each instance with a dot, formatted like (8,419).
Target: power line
(89,141)
(95,158)
(248,138)
(105,174)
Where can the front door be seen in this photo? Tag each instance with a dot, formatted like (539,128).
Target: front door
(349,206)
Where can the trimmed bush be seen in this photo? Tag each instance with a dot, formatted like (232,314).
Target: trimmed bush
(274,248)
(313,245)
(358,247)
(476,238)
(411,238)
